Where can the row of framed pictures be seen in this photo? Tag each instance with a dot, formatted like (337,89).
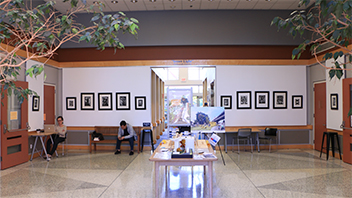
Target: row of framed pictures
(105,101)
(262,100)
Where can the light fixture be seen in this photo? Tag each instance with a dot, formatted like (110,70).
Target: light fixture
(95,3)
(134,1)
(152,1)
(172,6)
(172,0)
(114,1)
(210,0)
(190,0)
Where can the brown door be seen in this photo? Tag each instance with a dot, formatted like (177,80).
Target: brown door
(319,114)
(347,132)
(49,104)
(14,133)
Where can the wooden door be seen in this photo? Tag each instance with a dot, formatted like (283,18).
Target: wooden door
(347,132)
(49,104)
(319,114)
(14,133)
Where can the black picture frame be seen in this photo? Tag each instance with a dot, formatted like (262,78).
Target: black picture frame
(87,101)
(105,101)
(280,99)
(71,103)
(262,99)
(226,102)
(123,101)
(244,100)
(297,101)
(35,103)
(140,103)
(334,101)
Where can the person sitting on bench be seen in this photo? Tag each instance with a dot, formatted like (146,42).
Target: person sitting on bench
(127,133)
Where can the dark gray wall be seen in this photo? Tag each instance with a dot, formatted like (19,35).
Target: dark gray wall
(204,27)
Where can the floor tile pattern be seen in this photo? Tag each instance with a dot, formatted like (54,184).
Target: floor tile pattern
(281,173)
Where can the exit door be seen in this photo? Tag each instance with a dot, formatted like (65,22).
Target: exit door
(14,132)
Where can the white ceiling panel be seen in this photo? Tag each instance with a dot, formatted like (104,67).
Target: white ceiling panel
(224,4)
(147,5)
(246,4)
(210,5)
(155,6)
(120,6)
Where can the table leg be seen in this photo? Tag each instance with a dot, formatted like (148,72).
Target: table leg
(35,146)
(210,167)
(46,154)
(257,137)
(156,170)
(225,142)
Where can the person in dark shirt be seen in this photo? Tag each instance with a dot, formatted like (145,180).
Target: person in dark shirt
(125,133)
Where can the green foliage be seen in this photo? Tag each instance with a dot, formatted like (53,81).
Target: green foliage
(41,30)
(326,21)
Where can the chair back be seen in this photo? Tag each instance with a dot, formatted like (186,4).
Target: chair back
(270,131)
(245,132)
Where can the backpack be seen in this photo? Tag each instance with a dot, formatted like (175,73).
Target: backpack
(97,136)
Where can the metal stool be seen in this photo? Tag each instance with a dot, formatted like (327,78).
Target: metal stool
(330,136)
(151,138)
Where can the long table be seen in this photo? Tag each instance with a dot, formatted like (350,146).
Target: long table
(40,136)
(164,159)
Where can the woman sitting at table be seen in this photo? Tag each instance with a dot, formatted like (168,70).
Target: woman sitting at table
(59,137)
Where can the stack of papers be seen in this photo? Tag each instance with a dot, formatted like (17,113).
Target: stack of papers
(209,155)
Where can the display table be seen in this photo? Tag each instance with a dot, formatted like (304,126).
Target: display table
(40,136)
(164,159)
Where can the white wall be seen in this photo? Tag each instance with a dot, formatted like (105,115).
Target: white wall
(36,118)
(333,86)
(135,80)
(292,79)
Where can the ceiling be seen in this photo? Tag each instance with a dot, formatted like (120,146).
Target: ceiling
(149,5)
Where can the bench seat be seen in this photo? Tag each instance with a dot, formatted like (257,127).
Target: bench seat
(111,131)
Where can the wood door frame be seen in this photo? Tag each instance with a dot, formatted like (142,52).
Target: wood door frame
(53,85)
(19,137)
(316,82)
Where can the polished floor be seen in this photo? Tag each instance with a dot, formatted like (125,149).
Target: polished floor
(283,173)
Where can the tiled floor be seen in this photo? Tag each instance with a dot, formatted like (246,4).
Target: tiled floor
(283,173)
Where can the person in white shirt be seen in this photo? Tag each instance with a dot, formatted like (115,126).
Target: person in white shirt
(59,137)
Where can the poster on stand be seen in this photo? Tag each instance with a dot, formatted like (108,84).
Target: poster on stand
(179,107)
(208,119)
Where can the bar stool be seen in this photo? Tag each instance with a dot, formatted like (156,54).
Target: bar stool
(330,136)
(151,138)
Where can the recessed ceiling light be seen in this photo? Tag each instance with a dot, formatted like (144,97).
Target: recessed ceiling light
(172,0)
(210,0)
(152,1)
(114,1)
(134,1)
(190,0)
(173,7)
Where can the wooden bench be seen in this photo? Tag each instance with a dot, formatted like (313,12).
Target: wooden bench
(111,131)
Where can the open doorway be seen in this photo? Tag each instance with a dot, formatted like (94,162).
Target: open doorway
(199,79)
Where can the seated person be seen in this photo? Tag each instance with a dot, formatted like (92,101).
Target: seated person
(127,133)
(59,137)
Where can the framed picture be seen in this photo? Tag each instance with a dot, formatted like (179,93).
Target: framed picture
(244,100)
(334,101)
(87,101)
(297,102)
(262,100)
(226,102)
(105,101)
(35,103)
(139,102)
(123,101)
(280,99)
(71,103)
